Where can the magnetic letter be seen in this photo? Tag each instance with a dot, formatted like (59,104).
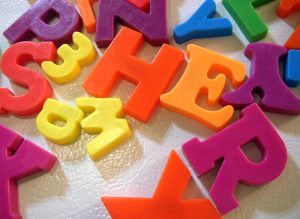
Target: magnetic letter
(73,60)
(104,120)
(236,167)
(203,25)
(88,17)
(54,111)
(287,7)
(196,82)
(244,14)
(167,200)
(38,87)
(292,70)
(87,14)
(19,158)
(151,79)
(153,25)
(34,22)
(265,81)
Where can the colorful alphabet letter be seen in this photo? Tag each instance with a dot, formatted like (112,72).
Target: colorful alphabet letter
(73,60)
(38,87)
(87,14)
(167,200)
(54,111)
(265,81)
(34,23)
(153,25)
(19,158)
(196,82)
(244,14)
(236,167)
(152,80)
(88,17)
(103,119)
(287,7)
(292,69)
(203,25)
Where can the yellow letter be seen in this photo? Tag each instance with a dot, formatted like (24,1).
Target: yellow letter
(54,111)
(72,59)
(103,120)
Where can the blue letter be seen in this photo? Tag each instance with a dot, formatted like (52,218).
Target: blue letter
(292,70)
(201,25)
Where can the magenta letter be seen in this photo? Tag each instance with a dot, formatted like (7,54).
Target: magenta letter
(236,167)
(19,158)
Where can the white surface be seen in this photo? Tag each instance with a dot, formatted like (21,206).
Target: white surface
(74,187)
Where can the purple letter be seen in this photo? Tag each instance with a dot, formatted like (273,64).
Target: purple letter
(152,25)
(265,81)
(34,23)
(253,126)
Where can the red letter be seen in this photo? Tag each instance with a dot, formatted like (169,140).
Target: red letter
(38,87)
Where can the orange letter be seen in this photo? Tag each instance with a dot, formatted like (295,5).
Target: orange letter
(285,8)
(152,80)
(167,200)
(195,82)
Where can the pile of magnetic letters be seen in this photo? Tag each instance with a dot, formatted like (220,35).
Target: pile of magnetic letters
(145,21)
